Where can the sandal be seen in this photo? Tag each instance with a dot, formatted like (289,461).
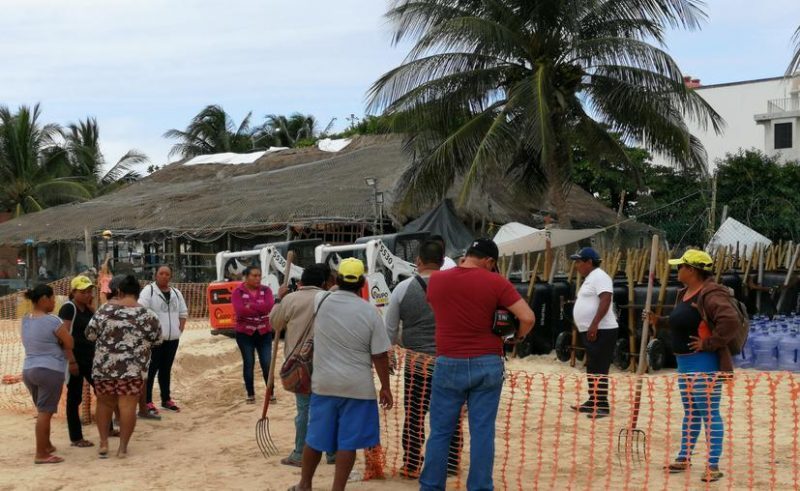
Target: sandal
(53,459)
(102,453)
(82,444)
(678,466)
(170,406)
(712,475)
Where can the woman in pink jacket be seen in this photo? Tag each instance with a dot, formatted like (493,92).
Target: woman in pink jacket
(252,303)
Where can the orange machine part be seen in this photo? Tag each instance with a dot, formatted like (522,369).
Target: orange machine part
(220,308)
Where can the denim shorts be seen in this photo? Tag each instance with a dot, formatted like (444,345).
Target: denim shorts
(342,423)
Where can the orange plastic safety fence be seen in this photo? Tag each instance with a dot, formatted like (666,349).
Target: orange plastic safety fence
(541,442)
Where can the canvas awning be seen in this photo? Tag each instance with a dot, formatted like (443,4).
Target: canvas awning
(516,238)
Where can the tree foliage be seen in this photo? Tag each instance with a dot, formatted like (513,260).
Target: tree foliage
(43,164)
(512,86)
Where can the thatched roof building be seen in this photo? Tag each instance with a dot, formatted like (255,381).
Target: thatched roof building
(293,188)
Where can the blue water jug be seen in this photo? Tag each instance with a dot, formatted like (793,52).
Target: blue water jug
(765,350)
(745,358)
(789,352)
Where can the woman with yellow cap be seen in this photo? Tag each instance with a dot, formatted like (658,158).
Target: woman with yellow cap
(75,315)
(704,359)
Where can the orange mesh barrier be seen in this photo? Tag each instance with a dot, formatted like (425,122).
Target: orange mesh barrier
(541,442)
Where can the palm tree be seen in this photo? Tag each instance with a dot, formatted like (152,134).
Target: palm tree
(87,161)
(212,131)
(509,87)
(794,65)
(32,163)
(287,132)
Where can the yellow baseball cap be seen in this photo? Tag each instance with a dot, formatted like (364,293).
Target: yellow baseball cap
(696,259)
(80,283)
(351,270)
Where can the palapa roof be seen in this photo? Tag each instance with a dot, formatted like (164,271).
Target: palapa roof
(296,187)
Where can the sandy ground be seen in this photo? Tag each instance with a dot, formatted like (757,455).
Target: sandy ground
(540,443)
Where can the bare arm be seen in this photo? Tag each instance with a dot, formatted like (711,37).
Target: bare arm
(66,341)
(602,309)
(381,362)
(525,315)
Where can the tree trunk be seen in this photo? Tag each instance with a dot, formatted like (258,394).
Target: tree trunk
(557,194)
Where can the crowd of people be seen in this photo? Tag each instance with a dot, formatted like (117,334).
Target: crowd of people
(119,349)
(444,318)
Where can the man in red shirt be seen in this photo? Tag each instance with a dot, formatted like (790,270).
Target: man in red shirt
(469,362)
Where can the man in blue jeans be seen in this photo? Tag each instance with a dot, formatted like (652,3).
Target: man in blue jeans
(469,362)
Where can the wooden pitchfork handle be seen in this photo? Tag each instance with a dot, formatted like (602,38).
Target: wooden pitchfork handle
(642,368)
(275,341)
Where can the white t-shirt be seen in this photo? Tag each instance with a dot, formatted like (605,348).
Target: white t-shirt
(448,264)
(589,300)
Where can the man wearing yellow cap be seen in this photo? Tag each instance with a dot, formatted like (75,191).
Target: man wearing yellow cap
(349,338)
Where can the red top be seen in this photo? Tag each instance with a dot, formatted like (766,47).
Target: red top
(464,301)
(252,309)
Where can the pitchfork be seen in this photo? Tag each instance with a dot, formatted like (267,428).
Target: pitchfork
(631,440)
(263,436)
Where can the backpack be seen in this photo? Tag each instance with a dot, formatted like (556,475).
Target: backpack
(740,336)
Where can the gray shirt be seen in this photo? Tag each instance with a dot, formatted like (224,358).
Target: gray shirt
(347,332)
(41,344)
(408,305)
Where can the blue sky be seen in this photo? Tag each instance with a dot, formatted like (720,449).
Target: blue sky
(142,67)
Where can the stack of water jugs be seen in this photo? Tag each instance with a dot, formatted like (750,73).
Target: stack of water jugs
(772,344)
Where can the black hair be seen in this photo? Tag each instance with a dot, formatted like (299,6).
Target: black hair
(249,270)
(596,263)
(431,252)
(437,238)
(38,292)
(350,286)
(130,286)
(315,275)
(703,273)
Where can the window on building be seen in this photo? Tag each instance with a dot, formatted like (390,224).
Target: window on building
(783,135)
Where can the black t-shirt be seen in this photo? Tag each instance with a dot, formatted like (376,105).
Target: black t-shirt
(82,319)
(167,294)
(684,321)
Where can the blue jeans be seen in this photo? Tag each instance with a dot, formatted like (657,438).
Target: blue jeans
(302,402)
(701,391)
(477,381)
(249,346)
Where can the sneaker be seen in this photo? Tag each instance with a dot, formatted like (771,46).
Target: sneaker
(291,462)
(250,400)
(580,408)
(152,412)
(171,406)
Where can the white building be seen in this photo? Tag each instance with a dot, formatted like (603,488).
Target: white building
(762,114)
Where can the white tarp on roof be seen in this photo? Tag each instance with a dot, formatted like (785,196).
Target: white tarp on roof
(232,158)
(732,233)
(516,238)
(328,145)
